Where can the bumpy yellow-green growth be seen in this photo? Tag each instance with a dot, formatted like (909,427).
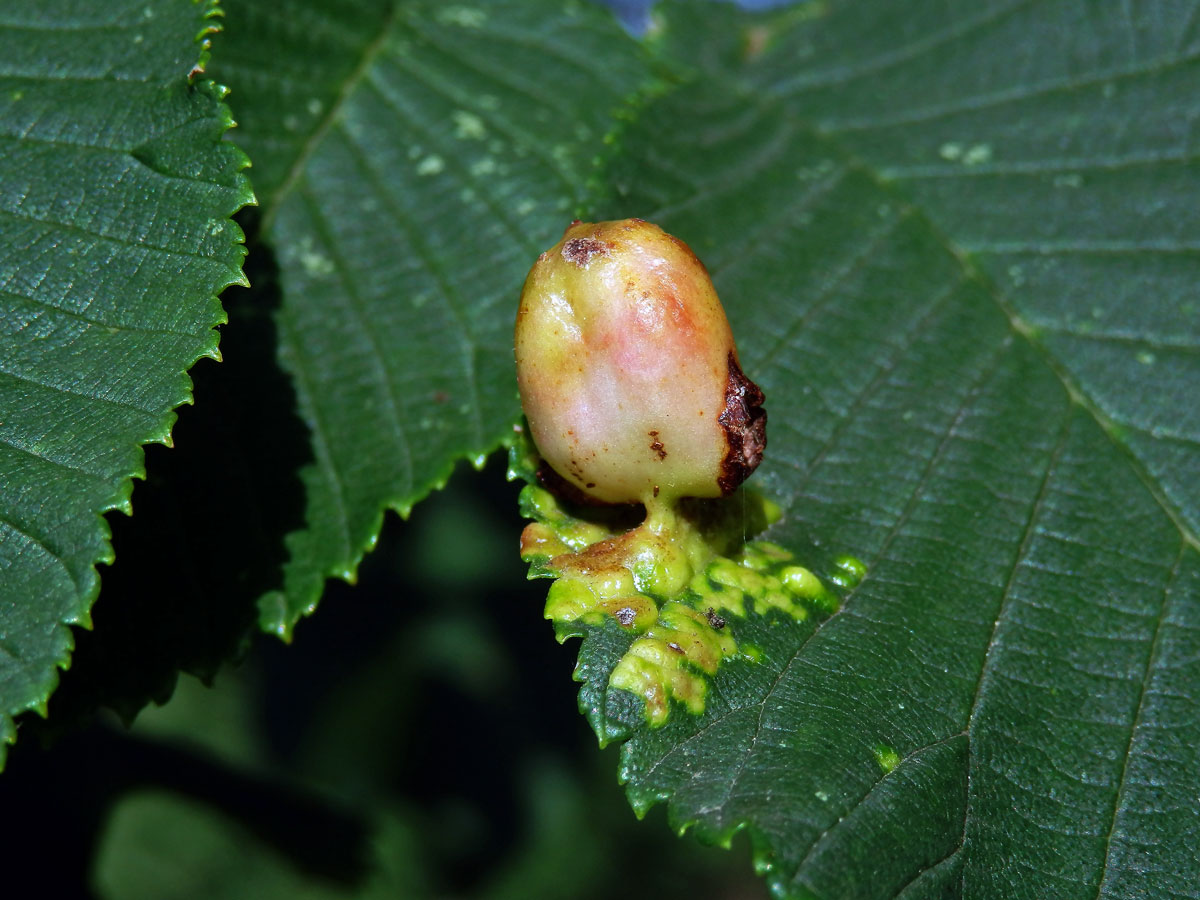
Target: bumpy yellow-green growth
(680,585)
(633,394)
(628,372)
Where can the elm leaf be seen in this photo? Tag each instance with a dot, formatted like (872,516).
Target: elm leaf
(116,192)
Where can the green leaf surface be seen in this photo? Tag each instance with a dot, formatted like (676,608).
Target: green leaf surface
(412,159)
(115,197)
(957,248)
(1068,177)
(962,269)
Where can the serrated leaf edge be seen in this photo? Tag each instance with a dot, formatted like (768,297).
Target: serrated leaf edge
(121,498)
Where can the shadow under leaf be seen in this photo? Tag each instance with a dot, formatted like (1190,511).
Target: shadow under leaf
(206,539)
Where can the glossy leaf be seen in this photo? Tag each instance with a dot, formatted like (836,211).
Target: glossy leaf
(1067,177)
(115,196)
(962,394)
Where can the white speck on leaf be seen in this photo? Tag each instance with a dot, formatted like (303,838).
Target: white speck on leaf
(485,166)
(468,126)
(431,165)
(313,262)
(977,155)
(950,150)
(462,16)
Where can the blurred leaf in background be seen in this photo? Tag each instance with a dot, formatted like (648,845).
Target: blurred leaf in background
(429,710)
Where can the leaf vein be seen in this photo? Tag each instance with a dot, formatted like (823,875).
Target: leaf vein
(516,134)
(1139,717)
(969,397)
(296,169)
(321,446)
(812,848)
(735,255)
(977,102)
(142,245)
(847,74)
(1038,166)
(444,283)
(69,467)
(519,236)
(43,545)
(98,323)
(921,323)
(100,398)
(378,358)
(857,261)
(1006,596)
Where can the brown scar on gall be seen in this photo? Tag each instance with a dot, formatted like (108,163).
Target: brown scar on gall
(745,424)
(657,446)
(581,250)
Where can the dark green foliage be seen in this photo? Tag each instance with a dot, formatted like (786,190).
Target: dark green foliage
(957,246)
(115,197)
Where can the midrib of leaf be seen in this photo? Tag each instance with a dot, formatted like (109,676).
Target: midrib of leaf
(453,301)
(356,306)
(1151,658)
(897,527)
(296,170)
(1030,334)
(1003,607)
